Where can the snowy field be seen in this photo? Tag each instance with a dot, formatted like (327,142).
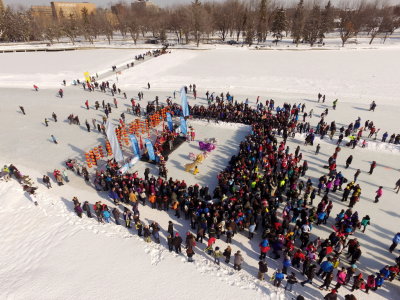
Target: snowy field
(49,248)
(49,69)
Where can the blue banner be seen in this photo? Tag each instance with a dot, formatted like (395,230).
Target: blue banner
(150,149)
(135,145)
(169,121)
(184,103)
(183,126)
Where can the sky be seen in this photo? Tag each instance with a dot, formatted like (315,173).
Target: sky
(162,3)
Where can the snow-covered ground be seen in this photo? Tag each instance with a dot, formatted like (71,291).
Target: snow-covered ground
(48,248)
(49,69)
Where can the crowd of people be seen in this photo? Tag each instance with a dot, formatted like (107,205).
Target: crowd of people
(264,189)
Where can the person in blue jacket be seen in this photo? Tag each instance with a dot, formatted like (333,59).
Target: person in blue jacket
(378,282)
(106,215)
(286,264)
(325,268)
(395,240)
(114,196)
(321,217)
(385,272)
(264,247)
(278,278)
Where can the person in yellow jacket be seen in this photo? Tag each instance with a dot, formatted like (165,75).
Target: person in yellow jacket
(196,170)
(132,197)
(6,173)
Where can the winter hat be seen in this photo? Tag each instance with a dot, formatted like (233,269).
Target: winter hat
(216,248)
(177,234)
(334,291)
(354,266)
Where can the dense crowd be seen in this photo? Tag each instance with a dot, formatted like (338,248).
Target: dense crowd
(264,189)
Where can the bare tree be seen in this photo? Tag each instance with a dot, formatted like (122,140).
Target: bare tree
(199,17)
(70,28)
(390,22)
(222,18)
(104,21)
(346,26)
(240,17)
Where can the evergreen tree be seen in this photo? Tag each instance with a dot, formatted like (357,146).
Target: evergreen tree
(250,29)
(312,26)
(298,22)
(279,24)
(262,22)
(327,21)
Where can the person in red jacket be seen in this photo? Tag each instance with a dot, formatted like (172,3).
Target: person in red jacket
(370,283)
(394,270)
(87,104)
(211,242)
(297,258)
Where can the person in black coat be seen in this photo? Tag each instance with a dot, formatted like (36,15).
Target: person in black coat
(262,269)
(348,161)
(331,296)
(146,174)
(170,243)
(291,280)
(356,255)
(86,207)
(177,241)
(170,228)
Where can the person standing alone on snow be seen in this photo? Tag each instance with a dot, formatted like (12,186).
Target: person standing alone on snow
(372,167)
(22,109)
(379,194)
(348,161)
(318,148)
(397,186)
(395,242)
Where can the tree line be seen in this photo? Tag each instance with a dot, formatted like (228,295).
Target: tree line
(250,22)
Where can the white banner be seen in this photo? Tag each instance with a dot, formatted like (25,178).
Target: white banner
(112,138)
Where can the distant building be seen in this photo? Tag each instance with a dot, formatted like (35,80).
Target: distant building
(65,9)
(118,8)
(143,4)
(42,11)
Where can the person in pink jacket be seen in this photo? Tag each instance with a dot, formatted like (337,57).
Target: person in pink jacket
(370,283)
(328,186)
(340,278)
(379,194)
